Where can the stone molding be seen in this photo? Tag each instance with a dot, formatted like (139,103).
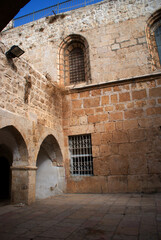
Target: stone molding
(25,168)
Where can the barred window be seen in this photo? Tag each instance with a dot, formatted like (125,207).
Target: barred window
(153,33)
(74,60)
(158,40)
(76,65)
(80,148)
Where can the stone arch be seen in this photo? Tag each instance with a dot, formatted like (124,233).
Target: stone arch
(13,155)
(12,138)
(153,22)
(50,176)
(71,42)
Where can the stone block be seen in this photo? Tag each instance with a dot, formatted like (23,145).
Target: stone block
(89,111)
(95,151)
(137,164)
(106,138)
(115,47)
(101,167)
(140,104)
(109,127)
(99,127)
(76,103)
(116,116)
(119,125)
(126,148)
(117,184)
(139,94)
(135,113)
(120,137)
(124,97)
(153,111)
(83,120)
(99,110)
(130,124)
(96,92)
(105,100)
(118,164)
(104,150)
(109,108)
(91,102)
(84,94)
(96,139)
(155,92)
(137,135)
(120,107)
(114,98)
(74,96)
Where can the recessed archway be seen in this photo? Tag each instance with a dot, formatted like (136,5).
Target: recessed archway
(13,153)
(50,177)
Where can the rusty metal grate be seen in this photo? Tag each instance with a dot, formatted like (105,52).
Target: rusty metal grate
(80,148)
(76,65)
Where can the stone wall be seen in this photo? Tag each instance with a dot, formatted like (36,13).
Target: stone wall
(123,119)
(30,111)
(114,30)
(120,107)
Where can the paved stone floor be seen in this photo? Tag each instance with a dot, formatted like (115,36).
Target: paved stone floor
(84,217)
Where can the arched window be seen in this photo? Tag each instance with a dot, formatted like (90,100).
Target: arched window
(74,66)
(158,40)
(153,32)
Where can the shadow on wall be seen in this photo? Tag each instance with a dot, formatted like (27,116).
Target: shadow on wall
(13,153)
(50,176)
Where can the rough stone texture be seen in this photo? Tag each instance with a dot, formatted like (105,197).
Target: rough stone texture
(120,107)
(27,117)
(125,135)
(114,30)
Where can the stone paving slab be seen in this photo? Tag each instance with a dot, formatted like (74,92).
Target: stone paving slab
(84,217)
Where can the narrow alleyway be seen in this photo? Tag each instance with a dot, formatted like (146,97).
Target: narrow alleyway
(84,217)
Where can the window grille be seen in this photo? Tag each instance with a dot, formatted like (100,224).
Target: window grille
(80,148)
(76,65)
(158,41)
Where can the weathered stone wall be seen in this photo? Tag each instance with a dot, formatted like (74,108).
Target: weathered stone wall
(115,32)
(30,110)
(124,121)
(122,112)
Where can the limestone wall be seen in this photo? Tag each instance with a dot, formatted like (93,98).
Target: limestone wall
(115,31)
(123,119)
(30,110)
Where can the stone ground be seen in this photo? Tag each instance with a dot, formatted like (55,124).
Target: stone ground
(84,217)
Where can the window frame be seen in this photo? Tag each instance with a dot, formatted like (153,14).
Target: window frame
(67,44)
(80,149)
(153,23)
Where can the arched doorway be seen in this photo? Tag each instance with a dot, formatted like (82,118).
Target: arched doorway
(5,174)
(50,176)
(5,179)
(13,156)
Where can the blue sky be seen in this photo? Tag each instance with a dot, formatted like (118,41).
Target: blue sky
(35,5)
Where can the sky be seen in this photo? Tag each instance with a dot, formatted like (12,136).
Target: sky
(35,5)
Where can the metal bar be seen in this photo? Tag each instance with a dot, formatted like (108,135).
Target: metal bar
(60,7)
(81,154)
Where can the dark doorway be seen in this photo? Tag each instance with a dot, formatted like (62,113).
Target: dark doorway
(5,178)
